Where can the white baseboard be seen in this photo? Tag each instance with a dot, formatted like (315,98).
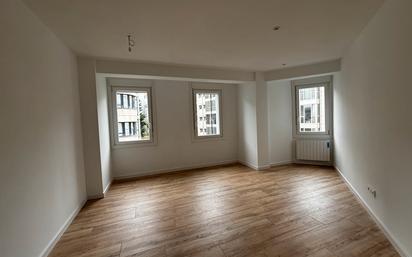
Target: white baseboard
(95,197)
(381,225)
(107,188)
(275,164)
(61,231)
(263,167)
(102,195)
(253,166)
(164,171)
(248,164)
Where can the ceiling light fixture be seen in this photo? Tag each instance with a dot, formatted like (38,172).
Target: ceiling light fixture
(130,41)
(276,28)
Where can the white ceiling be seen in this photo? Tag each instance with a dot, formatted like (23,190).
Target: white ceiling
(218,33)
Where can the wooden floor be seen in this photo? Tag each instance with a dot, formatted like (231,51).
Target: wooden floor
(227,211)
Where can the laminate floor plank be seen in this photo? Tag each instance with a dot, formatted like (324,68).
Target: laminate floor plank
(292,210)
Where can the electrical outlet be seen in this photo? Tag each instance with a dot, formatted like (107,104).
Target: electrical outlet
(372,191)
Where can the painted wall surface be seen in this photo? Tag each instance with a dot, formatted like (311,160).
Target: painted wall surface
(169,70)
(373,121)
(175,148)
(314,69)
(90,127)
(247,126)
(104,131)
(42,179)
(262,124)
(280,121)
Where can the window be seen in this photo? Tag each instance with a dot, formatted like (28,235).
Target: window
(312,106)
(207,113)
(119,100)
(308,115)
(132,115)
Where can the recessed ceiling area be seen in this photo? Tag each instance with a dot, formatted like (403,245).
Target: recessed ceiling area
(235,34)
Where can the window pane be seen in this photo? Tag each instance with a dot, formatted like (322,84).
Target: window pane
(119,100)
(124,101)
(207,113)
(120,129)
(133,116)
(126,125)
(311,108)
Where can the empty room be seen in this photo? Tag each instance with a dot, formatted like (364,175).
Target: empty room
(220,128)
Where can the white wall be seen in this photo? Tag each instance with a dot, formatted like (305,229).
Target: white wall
(104,131)
(280,121)
(90,127)
(373,121)
(314,69)
(175,148)
(41,160)
(171,71)
(247,129)
(262,124)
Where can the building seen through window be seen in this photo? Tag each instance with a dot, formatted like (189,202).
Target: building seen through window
(133,120)
(312,109)
(207,113)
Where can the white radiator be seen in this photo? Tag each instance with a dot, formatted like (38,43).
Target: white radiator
(313,150)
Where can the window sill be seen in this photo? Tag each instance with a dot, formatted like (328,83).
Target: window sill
(207,139)
(134,145)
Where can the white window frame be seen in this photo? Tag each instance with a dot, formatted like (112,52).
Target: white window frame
(325,81)
(132,85)
(205,89)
